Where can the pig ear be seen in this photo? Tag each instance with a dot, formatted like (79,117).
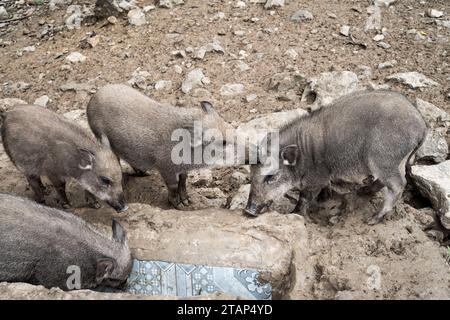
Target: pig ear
(86,159)
(119,233)
(105,267)
(289,155)
(207,107)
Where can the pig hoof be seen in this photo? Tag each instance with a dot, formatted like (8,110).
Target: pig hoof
(374,220)
(186,201)
(66,205)
(94,205)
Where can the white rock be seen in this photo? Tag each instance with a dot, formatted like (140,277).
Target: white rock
(178,69)
(291,53)
(383,45)
(219,15)
(75,17)
(329,86)
(8,103)
(345,30)
(75,57)
(163,85)
(251,97)
(139,79)
(148,8)
(373,22)
(267,122)
(414,80)
(378,37)
(364,72)
(387,64)
(433,13)
(239,33)
(240,199)
(240,4)
(136,17)
(42,101)
(273,4)
(435,146)
(210,47)
(434,183)
(232,89)
(241,65)
(302,15)
(193,79)
(384,3)
(3,13)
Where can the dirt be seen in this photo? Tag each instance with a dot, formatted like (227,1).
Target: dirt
(347,258)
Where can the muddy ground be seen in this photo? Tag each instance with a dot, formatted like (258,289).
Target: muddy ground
(347,258)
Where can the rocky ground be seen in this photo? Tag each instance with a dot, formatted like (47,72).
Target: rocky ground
(252,59)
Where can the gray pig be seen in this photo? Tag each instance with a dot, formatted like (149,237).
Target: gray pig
(139,130)
(363,138)
(42,143)
(46,246)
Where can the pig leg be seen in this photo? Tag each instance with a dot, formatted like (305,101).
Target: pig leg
(172,182)
(185,199)
(37,187)
(60,187)
(305,200)
(393,190)
(91,200)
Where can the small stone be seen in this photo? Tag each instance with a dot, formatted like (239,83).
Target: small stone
(93,41)
(251,97)
(177,69)
(274,4)
(3,13)
(179,53)
(8,103)
(373,22)
(219,15)
(76,57)
(384,3)
(378,37)
(239,200)
(383,45)
(414,80)
(193,79)
(345,30)
(136,17)
(240,4)
(163,85)
(241,65)
(232,89)
(42,101)
(302,15)
(239,33)
(291,53)
(112,20)
(148,8)
(238,178)
(139,79)
(387,64)
(433,13)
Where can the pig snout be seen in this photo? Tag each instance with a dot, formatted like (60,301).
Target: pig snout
(254,209)
(251,209)
(119,205)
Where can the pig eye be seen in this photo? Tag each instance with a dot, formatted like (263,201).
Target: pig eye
(105,181)
(269,178)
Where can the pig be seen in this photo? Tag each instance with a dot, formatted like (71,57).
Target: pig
(42,143)
(365,139)
(46,246)
(140,130)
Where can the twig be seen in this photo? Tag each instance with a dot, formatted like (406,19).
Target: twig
(15,19)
